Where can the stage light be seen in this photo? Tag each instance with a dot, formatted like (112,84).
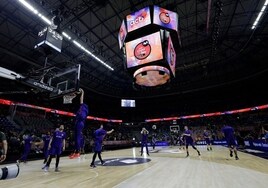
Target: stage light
(28,6)
(260,15)
(91,54)
(54,24)
(44,19)
(66,35)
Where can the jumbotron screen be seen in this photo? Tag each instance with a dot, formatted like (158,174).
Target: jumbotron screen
(127,103)
(144,50)
(165,18)
(171,56)
(51,38)
(138,19)
(151,75)
(122,34)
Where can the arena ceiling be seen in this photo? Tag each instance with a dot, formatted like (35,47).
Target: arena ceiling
(228,59)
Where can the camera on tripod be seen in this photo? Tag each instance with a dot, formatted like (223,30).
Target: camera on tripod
(9,172)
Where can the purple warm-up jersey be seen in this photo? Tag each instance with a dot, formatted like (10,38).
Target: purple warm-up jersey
(229,135)
(188,139)
(57,143)
(99,135)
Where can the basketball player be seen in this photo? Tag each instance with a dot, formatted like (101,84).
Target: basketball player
(3,147)
(189,140)
(206,136)
(99,135)
(228,132)
(27,141)
(56,147)
(80,119)
(144,138)
(46,139)
(83,140)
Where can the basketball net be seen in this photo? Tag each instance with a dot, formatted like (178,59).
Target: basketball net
(68,99)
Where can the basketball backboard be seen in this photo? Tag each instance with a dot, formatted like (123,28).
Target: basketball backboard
(65,81)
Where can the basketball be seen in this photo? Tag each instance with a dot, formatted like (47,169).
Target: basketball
(154,127)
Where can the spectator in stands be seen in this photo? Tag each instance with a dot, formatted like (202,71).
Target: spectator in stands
(181,140)
(99,135)
(3,147)
(189,140)
(153,140)
(80,119)
(266,136)
(240,140)
(56,147)
(206,136)
(173,138)
(37,144)
(13,143)
(144,139)
(229,135)
(27,143)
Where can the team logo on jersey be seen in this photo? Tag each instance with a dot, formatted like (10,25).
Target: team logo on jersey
(142,50)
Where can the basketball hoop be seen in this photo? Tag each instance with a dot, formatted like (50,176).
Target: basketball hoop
(67,99)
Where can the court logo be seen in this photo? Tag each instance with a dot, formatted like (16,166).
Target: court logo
(124,161)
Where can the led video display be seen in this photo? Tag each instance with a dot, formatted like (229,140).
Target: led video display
(152,75)
(138,19)
(127,103)
(144,50)
(165,18)
(122,34)
(50,38)
(171,55)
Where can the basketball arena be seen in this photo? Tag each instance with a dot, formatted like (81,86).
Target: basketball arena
(145,93)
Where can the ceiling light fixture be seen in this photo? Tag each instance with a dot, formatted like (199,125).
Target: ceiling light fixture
(91,54)
(66,35)
(47,21)
(260,15)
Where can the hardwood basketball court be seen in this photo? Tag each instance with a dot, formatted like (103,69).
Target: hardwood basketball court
(165,167)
